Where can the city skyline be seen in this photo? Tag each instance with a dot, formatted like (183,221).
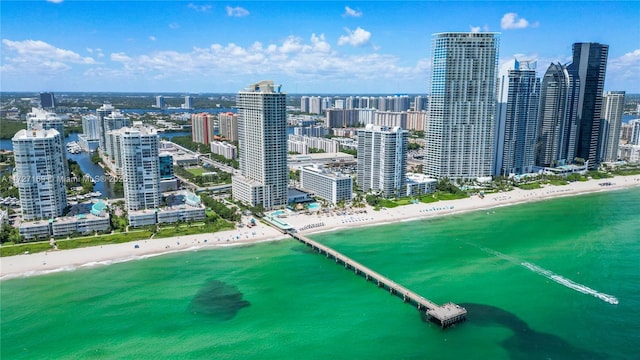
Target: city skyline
(311,47)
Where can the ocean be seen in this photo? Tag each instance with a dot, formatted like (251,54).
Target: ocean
(556,279)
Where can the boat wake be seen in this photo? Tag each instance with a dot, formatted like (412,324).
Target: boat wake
(571,284)
(555,277)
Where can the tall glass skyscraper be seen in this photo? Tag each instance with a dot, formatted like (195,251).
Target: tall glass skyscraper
(460,135)
(557,123)
(262,138)
(589,65)
(517,124)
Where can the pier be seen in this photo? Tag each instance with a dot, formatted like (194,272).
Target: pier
(445,315)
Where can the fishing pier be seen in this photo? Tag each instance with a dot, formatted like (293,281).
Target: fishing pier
(445,315)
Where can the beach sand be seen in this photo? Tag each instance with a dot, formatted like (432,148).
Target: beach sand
(64,260)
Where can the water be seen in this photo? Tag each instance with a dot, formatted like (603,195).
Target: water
(521,271)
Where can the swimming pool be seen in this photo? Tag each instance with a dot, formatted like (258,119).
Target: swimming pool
(314,206)
(278,213)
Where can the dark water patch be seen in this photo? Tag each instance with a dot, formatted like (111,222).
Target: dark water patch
(304,249)
(218,300)
(525,342)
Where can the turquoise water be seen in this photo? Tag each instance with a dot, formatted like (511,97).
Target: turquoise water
(521,271)
(314,206)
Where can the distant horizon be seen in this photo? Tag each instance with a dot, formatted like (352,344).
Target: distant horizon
(310,47)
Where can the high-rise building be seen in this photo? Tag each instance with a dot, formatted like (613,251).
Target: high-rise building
(382,160)
(47,100)
(262,139)
(634,139)
(202,128)
(165,161)
(460,135)
(113,121)
(420,103)
(557,122)
(188,102)
(140,167)
(228,124)
(45,119)
(610,128)
(101,113)
(517,119)
(589,66)
(89,140)
(40,173)
(160,102)
(304,104)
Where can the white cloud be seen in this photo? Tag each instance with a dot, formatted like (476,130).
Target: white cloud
(152,38)
(55,1)
(625,68)
(512,21)
(237,11)
(358,37)
(308,60)
(174,26)
(351,12)
(199,8)
(477,29)
(40,49)
(39,57)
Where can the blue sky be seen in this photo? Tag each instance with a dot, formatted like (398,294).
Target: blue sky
(308,47)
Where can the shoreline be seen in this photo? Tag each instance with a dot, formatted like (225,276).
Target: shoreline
(26,265)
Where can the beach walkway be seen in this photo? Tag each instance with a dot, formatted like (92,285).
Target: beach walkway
(446,315)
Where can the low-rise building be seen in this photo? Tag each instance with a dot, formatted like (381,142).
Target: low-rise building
(418,184)
(326,184)
(34,230)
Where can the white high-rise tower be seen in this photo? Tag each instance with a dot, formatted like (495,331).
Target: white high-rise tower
(460,136)
(40,173)
(262,138)
(613,107)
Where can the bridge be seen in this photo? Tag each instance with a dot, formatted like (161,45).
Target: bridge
(446,315)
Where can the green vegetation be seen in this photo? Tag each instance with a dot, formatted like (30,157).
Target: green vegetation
(220,208)
(9,233)
(33,247)
(414,146)
(349,151)
(529,186)
(294,175)
(10,128)
(221,159)
(72,130)
(6,186)
(219,177)
(185,141)
(316,151)
(95,157)
(446,190)
(196,171)
(442,195)
(180,229)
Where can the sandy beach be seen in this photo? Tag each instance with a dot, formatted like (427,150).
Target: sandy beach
(66,260)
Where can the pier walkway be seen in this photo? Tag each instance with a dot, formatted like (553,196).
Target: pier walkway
(446,315)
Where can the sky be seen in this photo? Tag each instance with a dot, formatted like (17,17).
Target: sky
(307,46)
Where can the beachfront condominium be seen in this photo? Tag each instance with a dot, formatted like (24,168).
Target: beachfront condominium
(40,173)
(140,167)
(188,102)
(262,139)
(613,106)
(47,100)
(382,160)
(557,123)
(517,119)
(460,135)
(326,184)
(202,128)
(589,66)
